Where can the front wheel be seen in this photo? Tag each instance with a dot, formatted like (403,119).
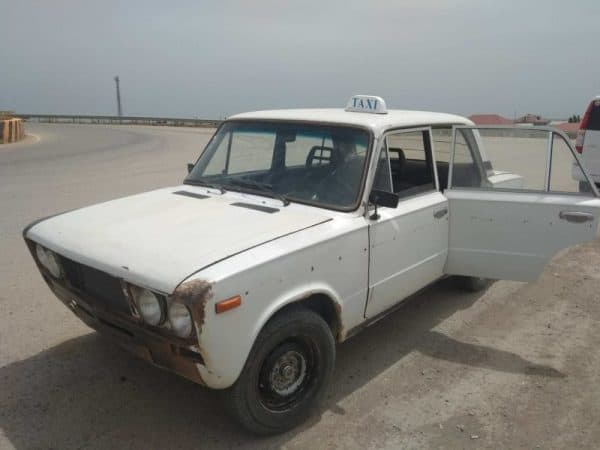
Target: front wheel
(286,374)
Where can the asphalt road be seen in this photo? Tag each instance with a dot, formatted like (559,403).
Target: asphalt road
(515,367)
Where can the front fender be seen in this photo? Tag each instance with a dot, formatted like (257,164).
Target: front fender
(225,340)
(330,260)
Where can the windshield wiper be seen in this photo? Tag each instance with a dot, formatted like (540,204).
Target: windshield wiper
(206,184)
(265,188)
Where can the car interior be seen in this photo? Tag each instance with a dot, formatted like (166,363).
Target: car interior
(412,175)
(330,174)
(411,164)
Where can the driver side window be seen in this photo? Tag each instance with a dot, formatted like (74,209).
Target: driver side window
(408,168)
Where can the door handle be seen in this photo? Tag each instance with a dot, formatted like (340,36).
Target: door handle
(576,216)
(440,213)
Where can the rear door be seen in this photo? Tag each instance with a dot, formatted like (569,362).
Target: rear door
(514,202)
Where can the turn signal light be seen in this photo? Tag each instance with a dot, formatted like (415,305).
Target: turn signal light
(226,305)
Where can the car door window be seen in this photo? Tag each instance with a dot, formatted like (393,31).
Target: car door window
(515,159)
(410,163)
(565,174)
(467,169)
(383,175)
(508,158)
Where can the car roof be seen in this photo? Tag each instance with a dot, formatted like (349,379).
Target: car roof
(378,123)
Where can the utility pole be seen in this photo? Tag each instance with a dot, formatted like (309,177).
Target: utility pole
(120,111)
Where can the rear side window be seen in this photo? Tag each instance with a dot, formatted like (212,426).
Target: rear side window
(594,121)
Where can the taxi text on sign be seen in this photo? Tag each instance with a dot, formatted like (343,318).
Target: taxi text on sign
(367,103)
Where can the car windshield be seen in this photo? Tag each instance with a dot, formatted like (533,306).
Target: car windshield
(322,165)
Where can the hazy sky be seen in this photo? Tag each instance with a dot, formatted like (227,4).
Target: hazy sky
(214,58)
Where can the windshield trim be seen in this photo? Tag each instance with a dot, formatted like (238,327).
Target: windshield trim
(352,208)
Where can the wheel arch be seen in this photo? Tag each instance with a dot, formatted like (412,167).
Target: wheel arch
(322,304)
(225,365)
(318,297)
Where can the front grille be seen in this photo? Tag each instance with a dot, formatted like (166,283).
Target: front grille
(104,289)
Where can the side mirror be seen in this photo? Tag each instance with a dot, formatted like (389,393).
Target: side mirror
(382,198)
(190,167)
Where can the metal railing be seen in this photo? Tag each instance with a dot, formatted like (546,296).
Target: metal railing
(116,120)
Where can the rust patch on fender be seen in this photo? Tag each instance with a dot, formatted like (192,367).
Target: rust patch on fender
(194,294)
(338,319)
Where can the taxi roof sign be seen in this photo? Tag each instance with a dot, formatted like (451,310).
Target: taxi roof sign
(367,104)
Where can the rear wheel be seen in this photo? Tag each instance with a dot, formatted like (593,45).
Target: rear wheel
(286,374)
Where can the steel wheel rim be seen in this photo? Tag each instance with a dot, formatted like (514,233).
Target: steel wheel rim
(287,374)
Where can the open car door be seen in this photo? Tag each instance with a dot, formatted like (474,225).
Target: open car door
(514,201)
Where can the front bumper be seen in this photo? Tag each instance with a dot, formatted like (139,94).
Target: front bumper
(167,353)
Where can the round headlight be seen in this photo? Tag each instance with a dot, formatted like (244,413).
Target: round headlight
(49,260)
(149,306)
(181,320)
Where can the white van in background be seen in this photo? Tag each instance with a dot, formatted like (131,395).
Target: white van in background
(588,144)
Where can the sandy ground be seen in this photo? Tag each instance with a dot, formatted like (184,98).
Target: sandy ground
(514,367)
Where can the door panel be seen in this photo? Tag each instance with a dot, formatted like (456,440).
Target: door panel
(511,230)
(408,249)
(513,236)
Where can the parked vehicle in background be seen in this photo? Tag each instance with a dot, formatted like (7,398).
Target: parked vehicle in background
(588,143)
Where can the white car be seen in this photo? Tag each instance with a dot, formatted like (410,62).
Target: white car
(588,143)
(293,231)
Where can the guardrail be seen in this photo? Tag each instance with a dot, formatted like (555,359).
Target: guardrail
(124,120)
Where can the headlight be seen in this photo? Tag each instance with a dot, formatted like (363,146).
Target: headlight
(180,319)
(49,260)
(149,306)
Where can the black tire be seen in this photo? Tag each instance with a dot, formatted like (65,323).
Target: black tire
(474,284)
(287,372)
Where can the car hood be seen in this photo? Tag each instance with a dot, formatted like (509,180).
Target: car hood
(158,238)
